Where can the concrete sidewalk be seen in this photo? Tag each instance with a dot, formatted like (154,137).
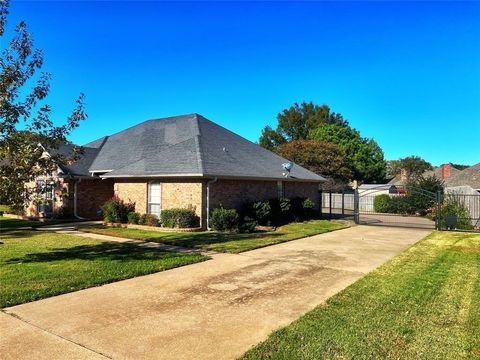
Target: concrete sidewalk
(212,310)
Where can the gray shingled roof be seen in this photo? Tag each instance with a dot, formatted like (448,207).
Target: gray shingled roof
(468,177)
(79,167)
(187,145)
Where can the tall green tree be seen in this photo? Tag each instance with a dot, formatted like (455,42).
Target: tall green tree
(414,165)
(364,155)
(320,157)
(26,129)
(296,122)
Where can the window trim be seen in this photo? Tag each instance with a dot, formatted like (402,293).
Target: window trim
(159,203)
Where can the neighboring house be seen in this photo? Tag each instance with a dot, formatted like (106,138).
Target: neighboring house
(182,161)
(442,172)
(469,177)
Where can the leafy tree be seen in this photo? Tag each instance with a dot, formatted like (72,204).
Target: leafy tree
(296,122)
(414,165)
(460,166)
(24,119)
(393,168)
(364,155)
(322,158)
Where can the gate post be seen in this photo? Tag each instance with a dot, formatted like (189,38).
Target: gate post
(330,205)
(343,201)
(356,206)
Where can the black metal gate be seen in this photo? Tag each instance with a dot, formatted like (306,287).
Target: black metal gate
(387,205)
(404,206)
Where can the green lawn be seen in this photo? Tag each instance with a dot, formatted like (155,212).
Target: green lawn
(424,304)
(223,242)
(36,265)
(9,224)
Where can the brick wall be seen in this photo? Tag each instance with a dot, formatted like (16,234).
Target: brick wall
(302,190)
(234,193)
(192,193)
(175,194)
(91,195)
(183,195)
(133,191)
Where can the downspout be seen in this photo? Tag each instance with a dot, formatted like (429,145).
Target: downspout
(75,200)
(208,200)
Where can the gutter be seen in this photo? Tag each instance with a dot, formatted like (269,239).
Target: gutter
(208,200)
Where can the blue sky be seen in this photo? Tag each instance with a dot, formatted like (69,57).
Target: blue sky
(404,73)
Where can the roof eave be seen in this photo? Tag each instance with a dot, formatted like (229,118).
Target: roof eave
(211,176)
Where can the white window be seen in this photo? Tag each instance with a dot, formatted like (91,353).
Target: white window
(154,195)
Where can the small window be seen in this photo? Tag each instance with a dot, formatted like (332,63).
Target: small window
(154,194)
(280,190)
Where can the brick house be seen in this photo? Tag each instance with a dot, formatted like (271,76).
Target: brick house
(184,161)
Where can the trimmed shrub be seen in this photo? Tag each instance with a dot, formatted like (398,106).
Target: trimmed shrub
(285,206)
(133,217)
(281,211)
(248,225)
(62,213)
(399,205)
(151,220)
(179,218)
(224,219)
(262,212)
(116,210)
(382,203)
(308,208)
(142,218)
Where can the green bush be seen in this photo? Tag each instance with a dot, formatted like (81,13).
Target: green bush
(224,219)
(285,206)
(141,219)
(452,206)
(248,225)
(382,203)
(262,212)
(179,218)
(308,208)
(62,212)
(133,217)
(281,211)
(399,205)
(116,210)
(151,220)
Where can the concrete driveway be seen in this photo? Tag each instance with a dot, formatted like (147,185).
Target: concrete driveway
(212,310)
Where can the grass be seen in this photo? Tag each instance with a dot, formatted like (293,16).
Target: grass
(10,223)
(35,265)
(223,242)
(423,304)
(4,208)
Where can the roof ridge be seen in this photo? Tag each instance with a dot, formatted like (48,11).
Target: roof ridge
(198,145)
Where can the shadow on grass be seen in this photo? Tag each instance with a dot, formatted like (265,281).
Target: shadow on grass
(102,251)
(206,238)
(16,233)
